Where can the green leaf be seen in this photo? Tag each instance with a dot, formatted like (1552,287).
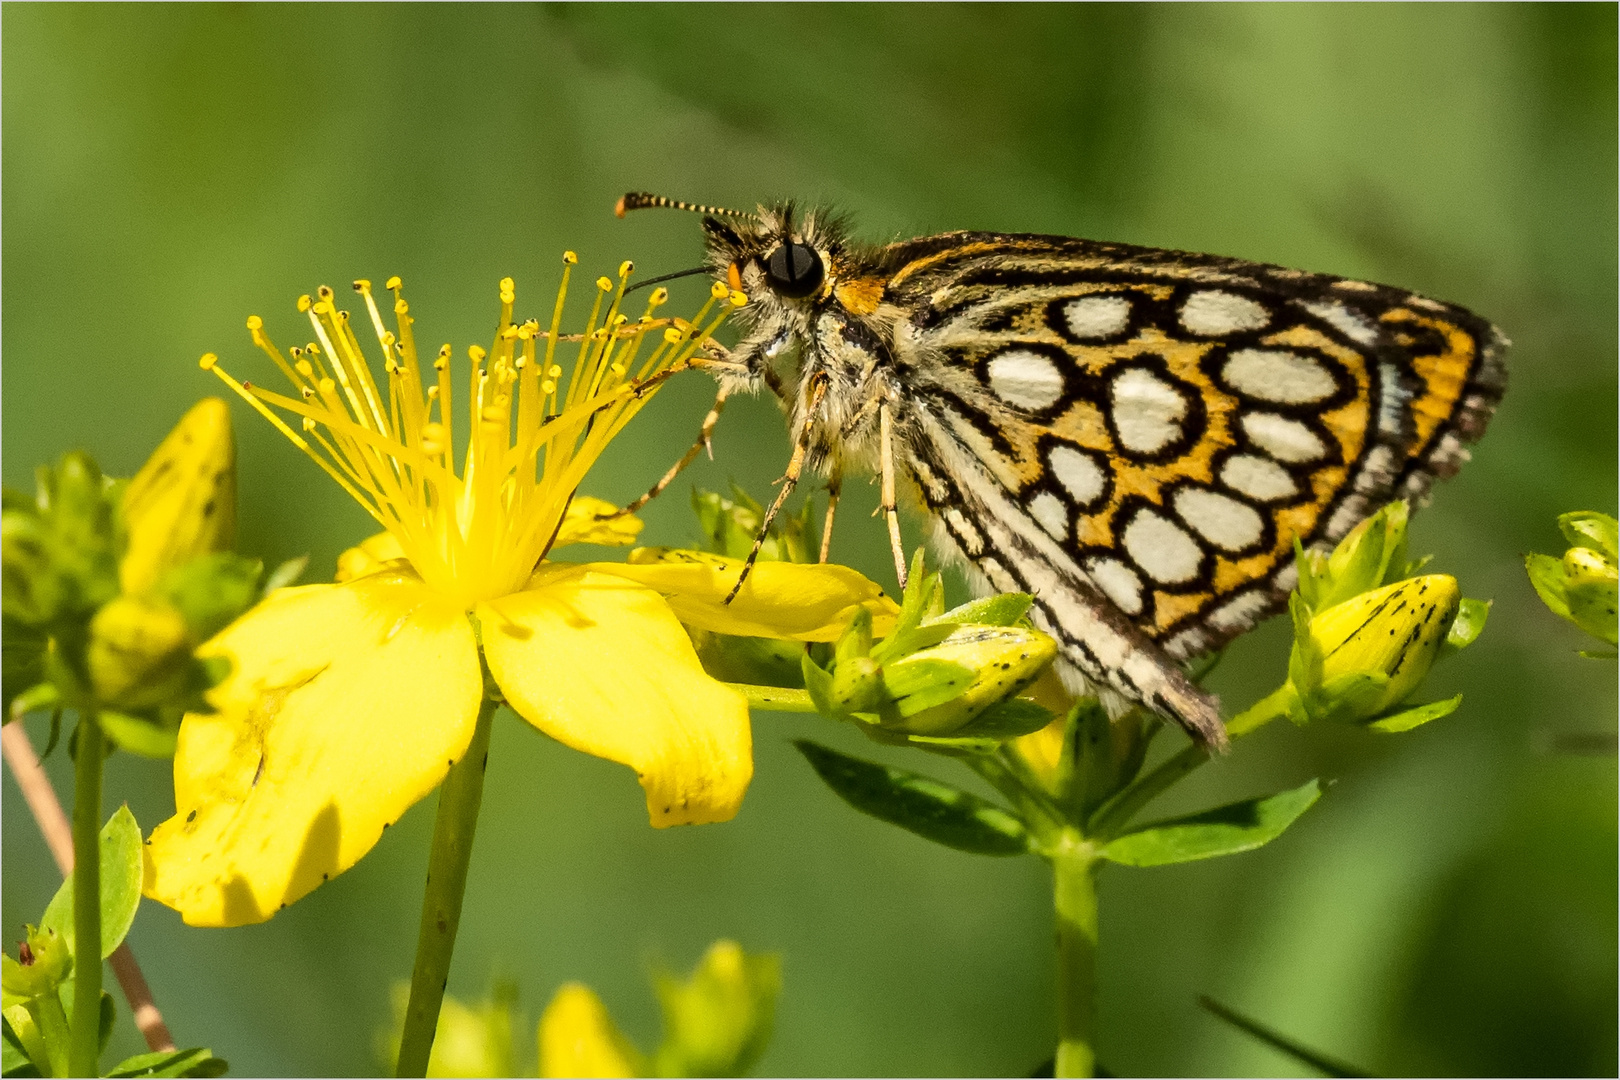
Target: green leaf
(197,1061)
(120,885)
(1227,830)
(24,1050)
(1468,625)
(932,810)
(14,1059)
(1547,577)
(1004,609)
(1411,718)
(148,738)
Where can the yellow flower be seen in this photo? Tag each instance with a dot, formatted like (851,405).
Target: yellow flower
(349,702)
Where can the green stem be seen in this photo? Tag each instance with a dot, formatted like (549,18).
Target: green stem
(1074,898)
(775,698)
(84,1050)
(1118,811)
(47,1044)
(456,821)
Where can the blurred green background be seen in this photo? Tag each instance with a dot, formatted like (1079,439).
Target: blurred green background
(1449,908)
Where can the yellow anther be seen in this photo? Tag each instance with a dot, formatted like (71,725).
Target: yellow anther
(620,319)
(616,368)
(255,323)
(208,361)
(328,386)
(401,307)
(304,367)
(507,284)
(343,316)
(312,348)
(477,353)
(387,339)
(626,268)
(569,258)
(672,335)
(323,307)
(324,292)
(659,296)
(548,387)
(738,299)
(361,285)
(555,371)
(304,302)
(433,392)
(509,332)
(605,284)
(599,334)
(718,290)
(393,282)
(525,332)
(309,423)
(306,392)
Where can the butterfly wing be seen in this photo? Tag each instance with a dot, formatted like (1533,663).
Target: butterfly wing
(1138,436)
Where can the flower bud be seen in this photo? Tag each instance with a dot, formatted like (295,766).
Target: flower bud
(578,1037)
(717,1022)
(1374,649)
(994,662)
(140,650)
(1590,586)
(44,961)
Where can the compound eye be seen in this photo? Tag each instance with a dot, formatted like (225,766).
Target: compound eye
(794,270)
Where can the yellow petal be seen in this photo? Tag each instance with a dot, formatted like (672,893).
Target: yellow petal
(369,556)
(795,601)
(596,521)
(601,664)
(182,503)
(578,1037)
(346,705)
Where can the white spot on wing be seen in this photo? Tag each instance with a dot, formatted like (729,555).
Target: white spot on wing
(1222,520)
(1277,375)
(1342,319)
(1118,582)
(1026,379)
(1213,312)
(1049,510)
(1147,411)
(1282,438)
(1258,478)
(1078,472)
(1162,548)
(1097,316)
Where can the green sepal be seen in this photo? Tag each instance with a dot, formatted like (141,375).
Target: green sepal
(22,661)
(1408,719)
(285,574)
(1547,578)
(1590,529)
(856,640)
(1003,609)
(1007,719)
(156,738)
(1467,626)
(760,661)
(919,684)
(858,685)
(121,865)
(211,590)
(1227,830)
(818,684)
(197,1061)
(1094,769)
(932,810)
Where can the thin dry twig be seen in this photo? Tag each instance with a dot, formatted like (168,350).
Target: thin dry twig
(53,825)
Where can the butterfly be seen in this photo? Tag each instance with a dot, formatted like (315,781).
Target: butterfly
(1136,437)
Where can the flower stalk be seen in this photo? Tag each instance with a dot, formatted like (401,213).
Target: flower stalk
(1074,900)
(85,1035)
(454,825)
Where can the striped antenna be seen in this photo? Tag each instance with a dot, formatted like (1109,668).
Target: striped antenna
(641,200)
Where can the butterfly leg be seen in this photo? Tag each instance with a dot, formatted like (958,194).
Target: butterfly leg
(789,481)
(690,456)
(835,487)
(886,464)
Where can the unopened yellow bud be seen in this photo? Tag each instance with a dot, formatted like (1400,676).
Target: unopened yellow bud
(1383,641)
(182,503)
(138,647)
(1003,659)
(578,1037)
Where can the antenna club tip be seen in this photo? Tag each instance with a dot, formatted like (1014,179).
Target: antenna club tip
(619,207)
